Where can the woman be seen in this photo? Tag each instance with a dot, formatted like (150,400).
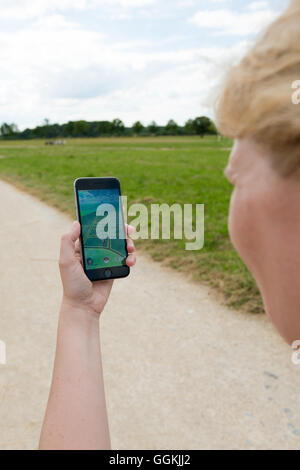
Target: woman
(256,109)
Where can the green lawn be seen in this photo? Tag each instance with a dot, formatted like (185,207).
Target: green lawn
(151,170)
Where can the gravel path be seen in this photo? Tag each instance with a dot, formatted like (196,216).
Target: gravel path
(181,370)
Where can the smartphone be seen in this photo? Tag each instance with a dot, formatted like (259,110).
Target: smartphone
(103,236)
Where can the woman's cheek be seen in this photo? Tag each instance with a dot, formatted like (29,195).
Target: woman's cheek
(242,226)
(236,230)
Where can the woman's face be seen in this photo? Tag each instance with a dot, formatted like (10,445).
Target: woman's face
(264,225)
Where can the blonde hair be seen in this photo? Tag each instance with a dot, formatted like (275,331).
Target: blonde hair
(256,100)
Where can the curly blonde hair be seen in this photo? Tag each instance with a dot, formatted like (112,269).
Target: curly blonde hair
(256,100)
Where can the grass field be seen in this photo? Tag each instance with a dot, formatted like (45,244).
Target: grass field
(151,170)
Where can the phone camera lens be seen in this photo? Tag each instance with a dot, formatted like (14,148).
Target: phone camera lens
(107,273)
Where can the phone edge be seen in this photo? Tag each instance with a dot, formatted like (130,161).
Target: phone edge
(78,219)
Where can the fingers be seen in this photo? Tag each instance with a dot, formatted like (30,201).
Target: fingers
(75,231)
(129,229)
(77,247)
(131,260)
(67,246)
(130,246)
(70,246)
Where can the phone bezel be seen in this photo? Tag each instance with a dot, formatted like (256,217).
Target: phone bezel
(99,183)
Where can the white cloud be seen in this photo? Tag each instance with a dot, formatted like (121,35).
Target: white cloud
(54,66)
(258,5)
(191,3)
(26,9)
(56,69)
(229,22)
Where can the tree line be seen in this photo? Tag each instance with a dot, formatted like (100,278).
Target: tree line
(199,126)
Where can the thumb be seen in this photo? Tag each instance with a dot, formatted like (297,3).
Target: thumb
(75,231)
(67,245)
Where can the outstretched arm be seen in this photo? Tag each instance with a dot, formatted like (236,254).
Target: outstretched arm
(76,416)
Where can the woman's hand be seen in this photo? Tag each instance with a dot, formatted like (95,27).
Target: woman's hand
(79,292)
(76,416)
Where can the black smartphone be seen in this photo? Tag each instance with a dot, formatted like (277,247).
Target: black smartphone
(103,237)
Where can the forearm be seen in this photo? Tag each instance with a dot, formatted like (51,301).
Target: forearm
(76,416)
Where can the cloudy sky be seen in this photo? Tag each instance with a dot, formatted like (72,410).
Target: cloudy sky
(132,59)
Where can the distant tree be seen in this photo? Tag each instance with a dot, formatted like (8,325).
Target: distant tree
(202,125)
(80,129)
(153,128)
(189,128)
(39,132)
(105,128)
(213,129)
(8,131)
(118,127)
(67,129)
(44,128)
(93,129)
(27,134)
(53,131)
(14,128)
(172,128)
(137,128)
(4,129)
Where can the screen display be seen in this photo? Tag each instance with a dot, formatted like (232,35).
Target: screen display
(102,228)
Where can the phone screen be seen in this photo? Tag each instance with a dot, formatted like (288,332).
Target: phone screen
(102,226)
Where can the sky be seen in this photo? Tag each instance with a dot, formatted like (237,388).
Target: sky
(130,59)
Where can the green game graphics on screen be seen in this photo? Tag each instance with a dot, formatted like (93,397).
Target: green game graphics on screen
(102,228)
